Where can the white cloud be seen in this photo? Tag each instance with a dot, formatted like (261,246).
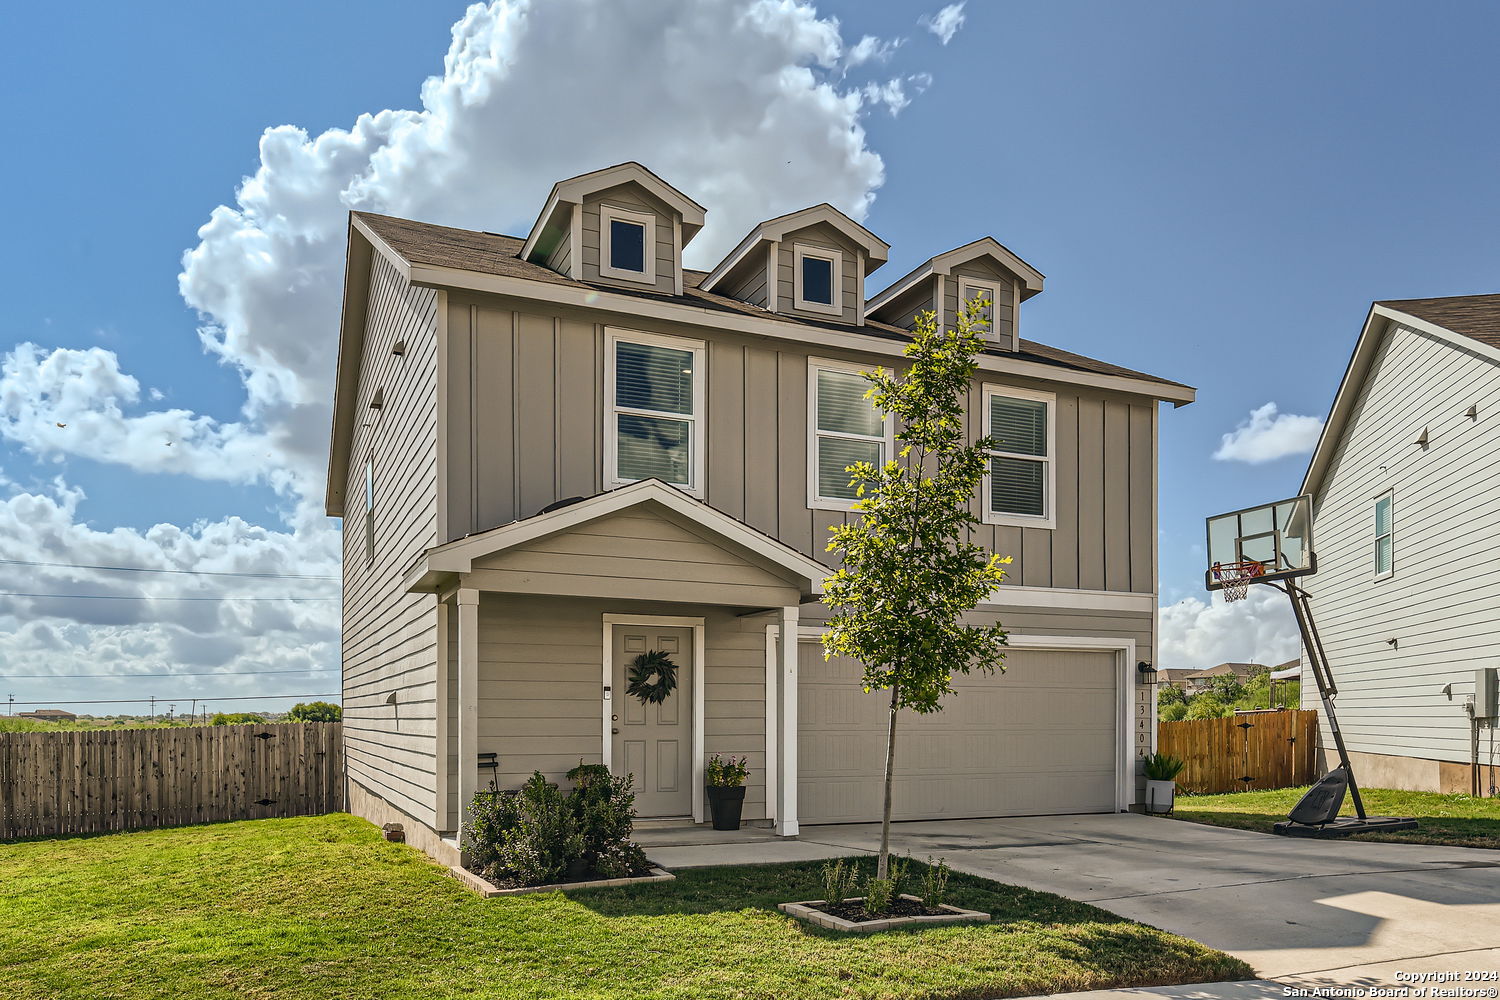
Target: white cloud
(1259,629)
(1267,435)
(748,107)
(946,22)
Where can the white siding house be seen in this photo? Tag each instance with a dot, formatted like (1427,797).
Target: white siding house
(1406,506)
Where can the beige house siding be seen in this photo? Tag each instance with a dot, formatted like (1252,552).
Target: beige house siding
(388,635)
(747,282)
(633,198)
(540,680)
(1004,333)
(1440,602)
(824,236)
(535,435)
(561,258)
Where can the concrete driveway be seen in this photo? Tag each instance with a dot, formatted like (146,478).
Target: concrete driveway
(1303,912)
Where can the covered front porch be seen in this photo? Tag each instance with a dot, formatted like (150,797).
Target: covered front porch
(542,624)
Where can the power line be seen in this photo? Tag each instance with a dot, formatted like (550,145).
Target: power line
(187,572)
(160,597)
(152,700)
(131,676)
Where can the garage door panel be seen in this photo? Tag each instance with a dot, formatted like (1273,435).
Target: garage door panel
(1039,738)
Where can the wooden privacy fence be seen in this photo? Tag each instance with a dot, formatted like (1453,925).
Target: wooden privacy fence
(126,779)
(1253,750)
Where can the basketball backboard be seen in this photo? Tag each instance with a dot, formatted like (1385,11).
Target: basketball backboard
(1277,535)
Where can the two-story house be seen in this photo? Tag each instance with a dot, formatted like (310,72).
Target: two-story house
(1405,484)
(554,453)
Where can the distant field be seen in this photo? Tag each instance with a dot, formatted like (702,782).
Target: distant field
(11,724)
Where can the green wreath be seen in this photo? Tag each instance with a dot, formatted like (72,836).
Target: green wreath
(653,676)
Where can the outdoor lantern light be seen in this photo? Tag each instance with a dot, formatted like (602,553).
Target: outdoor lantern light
(1147,671)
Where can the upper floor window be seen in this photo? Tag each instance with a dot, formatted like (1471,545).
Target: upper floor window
(628,247)
(654,386)
(818,275)
(1385,536)
(846,429)
(1019,485)
(970,289)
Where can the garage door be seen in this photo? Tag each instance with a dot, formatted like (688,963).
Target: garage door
(1036,740)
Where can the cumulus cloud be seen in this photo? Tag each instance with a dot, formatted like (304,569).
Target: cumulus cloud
(1259,629)
(946,22)
(1267,435)
(751,106)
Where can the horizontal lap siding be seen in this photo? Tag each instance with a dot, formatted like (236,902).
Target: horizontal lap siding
(1002,309)
(1441,602)
(388,636)
(632,199)
(826,237)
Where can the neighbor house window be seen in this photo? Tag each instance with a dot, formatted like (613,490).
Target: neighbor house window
(970,289)
(628,247)
(818,275)
(846,429)
(1385,536)
(369,509)
(1018,485)
(655,389)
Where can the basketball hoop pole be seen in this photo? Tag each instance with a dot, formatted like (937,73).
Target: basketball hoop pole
(1312,645)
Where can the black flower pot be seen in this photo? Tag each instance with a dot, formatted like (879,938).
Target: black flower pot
(725,803)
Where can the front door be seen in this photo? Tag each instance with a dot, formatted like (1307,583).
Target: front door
(653,742)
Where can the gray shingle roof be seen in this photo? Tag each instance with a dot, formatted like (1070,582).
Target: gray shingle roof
(1474,316)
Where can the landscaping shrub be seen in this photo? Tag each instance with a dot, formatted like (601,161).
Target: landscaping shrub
(900,876)
(838,880)
(539,835)
(877,895)
(935,883)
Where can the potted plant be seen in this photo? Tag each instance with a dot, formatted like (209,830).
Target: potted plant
(726,789)
(1161,781)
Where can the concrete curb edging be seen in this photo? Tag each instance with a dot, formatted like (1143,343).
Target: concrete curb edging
(484,888)
(806,910)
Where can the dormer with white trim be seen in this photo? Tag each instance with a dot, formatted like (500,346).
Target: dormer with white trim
(984,269)
(622,226)
(810,264)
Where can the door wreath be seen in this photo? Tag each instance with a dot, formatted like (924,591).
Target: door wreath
(653,676)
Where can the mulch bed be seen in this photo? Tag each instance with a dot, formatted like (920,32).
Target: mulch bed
(855,912)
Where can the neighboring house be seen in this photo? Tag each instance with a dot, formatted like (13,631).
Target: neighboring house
(48,715)
(1405,483)
(1175,676)
(1201,680)
(555,452)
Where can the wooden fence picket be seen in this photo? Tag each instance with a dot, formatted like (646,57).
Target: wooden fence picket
(1272,749)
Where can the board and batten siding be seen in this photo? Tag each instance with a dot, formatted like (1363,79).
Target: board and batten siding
(540,696)
(389,638)
(526,425)
(1441,602)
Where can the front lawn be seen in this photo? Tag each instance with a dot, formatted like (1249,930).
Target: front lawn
(322,907)
(1448,820)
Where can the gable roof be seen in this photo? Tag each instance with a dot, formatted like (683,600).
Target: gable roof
(1467,322)
(1228,669)
(440,563)
(876,249)
(986,246)
(570,193)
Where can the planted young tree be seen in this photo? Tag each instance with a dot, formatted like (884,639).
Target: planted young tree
(911,569)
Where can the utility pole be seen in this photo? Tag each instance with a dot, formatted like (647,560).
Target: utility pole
(153,708)
(170,709)
(10,704)
(193,713)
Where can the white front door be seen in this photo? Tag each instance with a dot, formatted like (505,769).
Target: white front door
(653,742)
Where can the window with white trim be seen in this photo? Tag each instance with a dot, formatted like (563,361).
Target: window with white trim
(1385,535)
(847,428)
(970,289)
(1019,483)
(655,389)
(818,279)
(627,244)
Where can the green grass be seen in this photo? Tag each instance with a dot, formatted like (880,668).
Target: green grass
(322,907)
(1447,820)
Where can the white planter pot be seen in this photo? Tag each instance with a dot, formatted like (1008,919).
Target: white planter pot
(1160,795)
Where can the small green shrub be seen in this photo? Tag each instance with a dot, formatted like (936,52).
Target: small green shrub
(604,810)
(490,815)
(727,772)
(935,883)
(839,877)
(1162,767)
(877,895)
(899,875)
(544,840)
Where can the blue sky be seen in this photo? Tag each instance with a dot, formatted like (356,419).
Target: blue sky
(1215,192)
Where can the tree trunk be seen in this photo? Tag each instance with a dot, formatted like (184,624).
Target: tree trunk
(882,866)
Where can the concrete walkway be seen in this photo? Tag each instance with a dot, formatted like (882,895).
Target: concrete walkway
(1302,912)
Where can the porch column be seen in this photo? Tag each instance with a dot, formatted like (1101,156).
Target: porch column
(786,723)
(468,701)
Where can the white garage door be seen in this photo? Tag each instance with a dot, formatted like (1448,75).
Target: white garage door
(1038,739)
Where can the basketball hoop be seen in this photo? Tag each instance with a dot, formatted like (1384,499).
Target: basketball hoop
(1236,577)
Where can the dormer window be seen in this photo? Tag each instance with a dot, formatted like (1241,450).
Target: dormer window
(968,291)
(818,274)
(628,244)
